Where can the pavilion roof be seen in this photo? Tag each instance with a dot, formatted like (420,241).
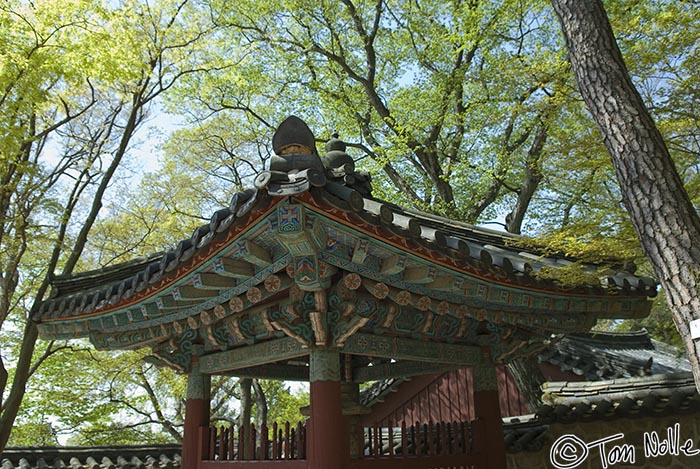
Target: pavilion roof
(319,214)
(497,254)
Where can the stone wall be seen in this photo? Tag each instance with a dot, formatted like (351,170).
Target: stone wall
(671,442)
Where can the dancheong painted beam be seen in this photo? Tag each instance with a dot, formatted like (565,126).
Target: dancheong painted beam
(409,349)
(252,355)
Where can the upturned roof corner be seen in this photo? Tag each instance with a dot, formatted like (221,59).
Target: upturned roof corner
(310,256)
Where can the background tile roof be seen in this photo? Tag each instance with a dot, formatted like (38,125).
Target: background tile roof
(96,457)
(609,355)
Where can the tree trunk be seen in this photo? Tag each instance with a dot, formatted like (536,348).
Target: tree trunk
(528,377)
(244,416)
(666,222)
(261,411)
(10,407)
(531,181)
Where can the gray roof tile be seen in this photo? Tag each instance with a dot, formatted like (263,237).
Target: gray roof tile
(97,457)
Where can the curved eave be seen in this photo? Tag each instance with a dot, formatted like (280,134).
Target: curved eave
(478,253)
(162,274)
(496,277)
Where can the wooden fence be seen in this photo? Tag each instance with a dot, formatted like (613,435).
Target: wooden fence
(431,445)
(281,442)
(444,445)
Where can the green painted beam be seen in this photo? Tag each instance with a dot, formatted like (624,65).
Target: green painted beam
(252,355)
(233,268)
(273,371)
(401,369)
(400,348)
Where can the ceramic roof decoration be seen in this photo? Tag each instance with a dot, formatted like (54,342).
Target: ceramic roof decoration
(310,258)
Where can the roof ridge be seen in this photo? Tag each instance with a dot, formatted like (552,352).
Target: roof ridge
(679,378)
(627,337)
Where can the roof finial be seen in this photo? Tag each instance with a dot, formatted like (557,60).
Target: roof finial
(295,166)
(336,157)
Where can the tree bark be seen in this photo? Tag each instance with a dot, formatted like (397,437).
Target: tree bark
(261,411)
(664,218)
(10,407)
(244,416)
(528,377)
(531,181)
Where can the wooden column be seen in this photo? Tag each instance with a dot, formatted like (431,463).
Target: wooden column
(196,416)
(327,434)
(490,443)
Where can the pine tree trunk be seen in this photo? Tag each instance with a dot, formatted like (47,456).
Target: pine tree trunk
(666,222)
(528,378)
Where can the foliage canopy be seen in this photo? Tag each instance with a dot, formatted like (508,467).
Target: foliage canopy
(462,108)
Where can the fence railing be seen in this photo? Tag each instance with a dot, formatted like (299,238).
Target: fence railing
(445,444)
(431,439)
(280,442)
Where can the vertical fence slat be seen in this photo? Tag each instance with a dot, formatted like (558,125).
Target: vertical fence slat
(390,437)
(404,443)
(445,438)
(264,442)
(414,442)
(376,441)
(452,447)
(429,438)
(380,446)
(275,447)
(419,440)
(212,443)
(300,441)
(280,443)
(231,443)
(222,443)
(457,436)
(252,438)
(370,447)
(286,441)
(465,437)
(241,442)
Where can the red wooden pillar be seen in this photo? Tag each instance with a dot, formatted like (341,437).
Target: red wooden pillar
(491,444)
(197,409)
(328,444)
